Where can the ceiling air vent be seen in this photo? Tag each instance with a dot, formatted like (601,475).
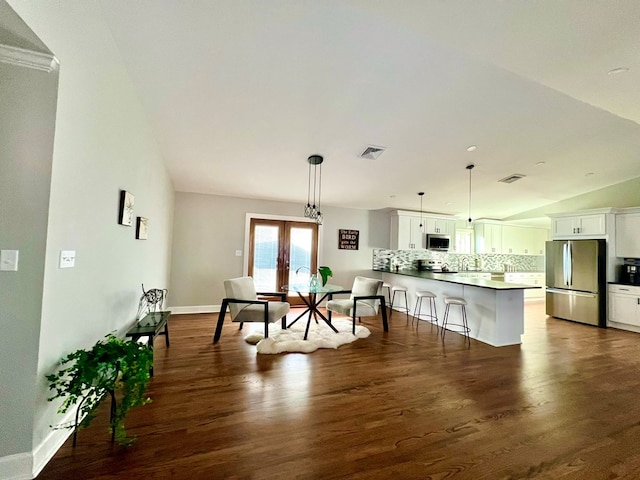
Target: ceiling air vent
(372,152)
(512,178)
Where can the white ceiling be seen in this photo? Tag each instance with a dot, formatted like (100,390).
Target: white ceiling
(241,92)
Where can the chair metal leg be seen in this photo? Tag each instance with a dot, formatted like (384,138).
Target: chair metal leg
(433,311)
(445,321)
(393,297)
(465,324)
(406,305)
(266,321)
(385,324)
(221,315)
(416,310)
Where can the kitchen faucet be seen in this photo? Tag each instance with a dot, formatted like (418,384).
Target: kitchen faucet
(465,264)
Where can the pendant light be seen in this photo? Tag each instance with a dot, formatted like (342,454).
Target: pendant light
(312,208)
(421,194)
(470,167)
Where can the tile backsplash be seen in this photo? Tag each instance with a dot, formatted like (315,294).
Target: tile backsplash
(407,259)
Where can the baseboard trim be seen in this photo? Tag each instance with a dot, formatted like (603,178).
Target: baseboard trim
(27,466)
(194,309)
(51,444)
(17,467)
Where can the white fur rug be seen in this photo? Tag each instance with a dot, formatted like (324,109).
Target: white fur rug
(291,339)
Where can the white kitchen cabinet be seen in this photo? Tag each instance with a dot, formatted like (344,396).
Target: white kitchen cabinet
(628,235)
(579,226)
(624,306)
(510,239)
(406,233)
(516,240)
(541,237)
(528,278)
(520,240)
(488,237)
(440,226)
(482,275)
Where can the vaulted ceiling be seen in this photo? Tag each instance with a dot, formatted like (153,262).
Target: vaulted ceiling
(241,92)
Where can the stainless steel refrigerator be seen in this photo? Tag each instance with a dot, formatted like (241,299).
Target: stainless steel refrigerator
(576,280)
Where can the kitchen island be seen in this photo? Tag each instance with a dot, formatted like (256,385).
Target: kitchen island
(495,309)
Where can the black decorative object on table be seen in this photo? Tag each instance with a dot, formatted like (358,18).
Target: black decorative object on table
(151,301)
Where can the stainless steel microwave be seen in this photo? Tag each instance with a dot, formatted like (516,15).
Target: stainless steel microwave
(437,242)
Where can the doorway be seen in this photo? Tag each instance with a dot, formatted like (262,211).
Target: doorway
(282,252)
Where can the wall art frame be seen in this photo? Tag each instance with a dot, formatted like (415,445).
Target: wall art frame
(348,239)
(127,201)
(142,228)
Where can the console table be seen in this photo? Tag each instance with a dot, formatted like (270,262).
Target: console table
(152,325)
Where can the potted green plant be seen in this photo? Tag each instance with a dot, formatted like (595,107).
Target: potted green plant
(325,272)
(119,368)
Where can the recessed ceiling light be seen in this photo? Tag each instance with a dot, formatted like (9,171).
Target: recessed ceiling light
(615,71)
(539,164)
(471,148)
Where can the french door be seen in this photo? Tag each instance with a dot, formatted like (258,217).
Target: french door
(282,253)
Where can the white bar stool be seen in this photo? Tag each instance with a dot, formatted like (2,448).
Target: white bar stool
(388,287)
(432,316)
(393,298)
(464,326)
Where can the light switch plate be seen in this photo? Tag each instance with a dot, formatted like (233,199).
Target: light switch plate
(67,258)
(238,253)
(9,260)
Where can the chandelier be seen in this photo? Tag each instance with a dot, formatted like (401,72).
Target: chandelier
(312,209)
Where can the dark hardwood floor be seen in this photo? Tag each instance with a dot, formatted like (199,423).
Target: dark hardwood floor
(396,405)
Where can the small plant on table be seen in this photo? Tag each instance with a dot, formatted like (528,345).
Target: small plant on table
(325,272)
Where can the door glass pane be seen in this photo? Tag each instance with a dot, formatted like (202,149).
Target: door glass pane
(301,241)
(265,258)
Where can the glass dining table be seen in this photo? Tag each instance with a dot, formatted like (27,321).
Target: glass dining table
(313,296)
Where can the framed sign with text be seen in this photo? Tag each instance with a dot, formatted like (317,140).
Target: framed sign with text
(348,239)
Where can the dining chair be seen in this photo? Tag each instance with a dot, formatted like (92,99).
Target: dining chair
(365,299)
(245,306)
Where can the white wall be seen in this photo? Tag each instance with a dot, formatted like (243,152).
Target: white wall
(208,229)
(103,143)
(28,105)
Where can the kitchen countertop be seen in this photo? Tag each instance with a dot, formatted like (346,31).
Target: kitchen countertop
(459,278)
